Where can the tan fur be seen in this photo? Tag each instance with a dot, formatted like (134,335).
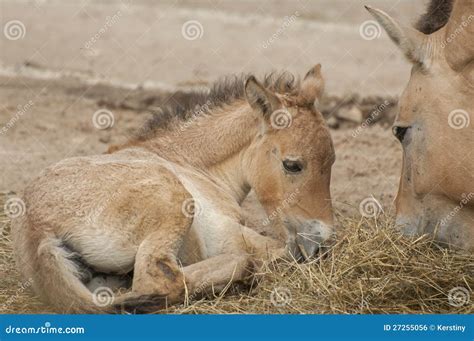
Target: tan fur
(436,193)
(126,210)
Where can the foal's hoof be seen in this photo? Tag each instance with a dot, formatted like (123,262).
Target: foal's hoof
(142,304)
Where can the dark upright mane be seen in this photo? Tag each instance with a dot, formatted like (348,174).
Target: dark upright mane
(436,16)
(182,107)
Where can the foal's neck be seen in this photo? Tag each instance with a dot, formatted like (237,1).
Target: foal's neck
(214,143)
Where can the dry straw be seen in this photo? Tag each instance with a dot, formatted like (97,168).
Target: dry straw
(371,269)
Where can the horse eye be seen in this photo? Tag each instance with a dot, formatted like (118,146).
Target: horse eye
(400,132)
(292,166)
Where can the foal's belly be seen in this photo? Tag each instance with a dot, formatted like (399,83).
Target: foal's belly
(104,250)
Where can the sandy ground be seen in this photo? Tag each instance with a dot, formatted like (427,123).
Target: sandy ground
(75,57)
(141,41)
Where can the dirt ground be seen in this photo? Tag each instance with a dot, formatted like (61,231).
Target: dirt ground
(57,75)
(142,41)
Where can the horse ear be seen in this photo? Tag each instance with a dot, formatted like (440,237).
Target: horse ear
(409,40)
(312,87)
(459,37)
(259,98)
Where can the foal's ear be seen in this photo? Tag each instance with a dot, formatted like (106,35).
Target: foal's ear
(312,87)
(259,98)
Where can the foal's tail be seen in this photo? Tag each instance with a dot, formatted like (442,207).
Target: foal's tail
(49,267)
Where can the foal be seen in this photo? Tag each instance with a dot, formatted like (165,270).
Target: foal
(165,207)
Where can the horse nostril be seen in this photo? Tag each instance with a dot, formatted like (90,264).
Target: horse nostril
(399,132)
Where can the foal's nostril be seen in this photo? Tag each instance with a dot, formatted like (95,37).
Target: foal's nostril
(311,237)
(308,244)
(307,237)
(399,132)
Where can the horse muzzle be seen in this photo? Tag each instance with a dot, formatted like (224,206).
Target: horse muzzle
(409,227)
(308,238)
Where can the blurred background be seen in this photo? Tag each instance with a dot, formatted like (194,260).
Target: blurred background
(142,41)
(62,60)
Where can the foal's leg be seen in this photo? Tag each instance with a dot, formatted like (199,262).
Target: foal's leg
(157,277)
(158,281)
(156,268)
(263,248)
(217,272)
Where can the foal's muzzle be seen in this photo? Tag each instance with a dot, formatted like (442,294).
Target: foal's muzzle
(311,236)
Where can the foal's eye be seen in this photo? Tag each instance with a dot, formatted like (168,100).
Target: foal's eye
(292,166)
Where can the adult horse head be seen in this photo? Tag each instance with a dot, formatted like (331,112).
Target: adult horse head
(436,192)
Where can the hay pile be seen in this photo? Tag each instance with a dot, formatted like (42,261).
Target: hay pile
(371,269)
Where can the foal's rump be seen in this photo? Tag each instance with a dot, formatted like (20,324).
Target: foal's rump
(92,213)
